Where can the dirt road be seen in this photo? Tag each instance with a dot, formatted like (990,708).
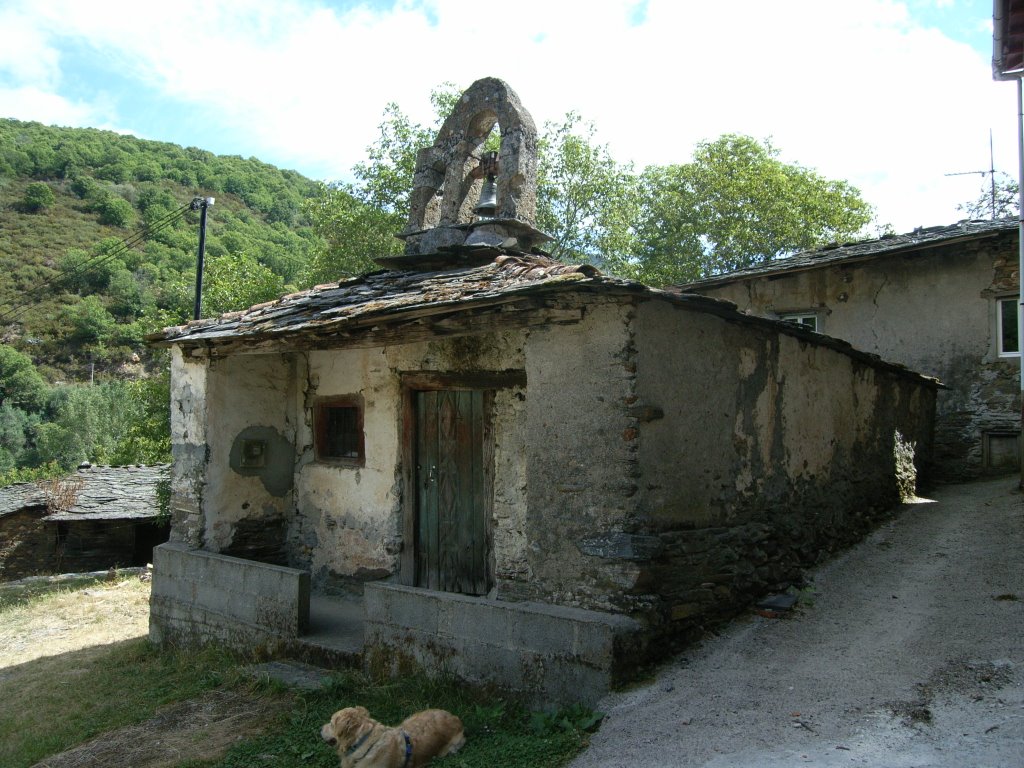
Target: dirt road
(912,654)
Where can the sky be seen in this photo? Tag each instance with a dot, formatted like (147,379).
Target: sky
(891,96)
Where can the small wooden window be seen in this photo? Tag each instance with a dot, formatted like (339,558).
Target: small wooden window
(338,425)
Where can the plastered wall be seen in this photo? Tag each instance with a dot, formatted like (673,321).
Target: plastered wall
(582,457)
(933,311)
(348,525)
(772,452)
(248,508)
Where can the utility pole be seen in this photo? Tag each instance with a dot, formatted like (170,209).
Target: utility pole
(202,204)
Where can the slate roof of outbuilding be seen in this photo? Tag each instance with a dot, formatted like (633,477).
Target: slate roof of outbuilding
(106,493)
(888,245)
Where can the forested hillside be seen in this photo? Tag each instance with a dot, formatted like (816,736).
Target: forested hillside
(98,247)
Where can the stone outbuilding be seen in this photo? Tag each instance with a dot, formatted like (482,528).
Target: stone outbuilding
(97,518)
(526,472)
(942,300)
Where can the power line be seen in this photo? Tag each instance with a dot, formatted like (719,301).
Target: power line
(11,314)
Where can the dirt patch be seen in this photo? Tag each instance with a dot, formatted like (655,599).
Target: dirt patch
(199,729)
(974,680)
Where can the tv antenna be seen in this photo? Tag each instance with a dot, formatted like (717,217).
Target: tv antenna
(991,173)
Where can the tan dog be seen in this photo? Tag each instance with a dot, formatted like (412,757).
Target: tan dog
(364,743)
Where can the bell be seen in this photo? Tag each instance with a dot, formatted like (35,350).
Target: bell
(488,204)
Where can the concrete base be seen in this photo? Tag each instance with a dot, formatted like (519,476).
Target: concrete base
(200,596)
(550,655)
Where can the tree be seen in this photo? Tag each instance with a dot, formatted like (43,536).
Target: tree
(20,382)
(38,197)
(586,201)
(85,423)
(996,201)
(354,233)
(736,204)
(146,438)
(16,425)
(238,281)
(89,322)
(358,222)
(115,211)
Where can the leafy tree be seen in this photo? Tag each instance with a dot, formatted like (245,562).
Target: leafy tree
(1005,203)
(358,222)
(85,424)
(147,436)
(38,196)
(238,281)
(16,427)
(91,272)
(89,322)
(736,204)
(115,211)
(84,186)
(586,200)
(353,233)
(125,297)
(20,382)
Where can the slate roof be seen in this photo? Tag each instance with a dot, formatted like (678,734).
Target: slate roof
(888,245)
(391,293)
(487,277)
(106,493)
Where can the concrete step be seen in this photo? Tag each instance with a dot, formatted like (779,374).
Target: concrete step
(293,674)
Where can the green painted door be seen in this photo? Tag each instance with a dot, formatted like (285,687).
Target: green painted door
(452,550)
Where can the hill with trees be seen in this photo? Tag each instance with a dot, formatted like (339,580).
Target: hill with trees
(97,248)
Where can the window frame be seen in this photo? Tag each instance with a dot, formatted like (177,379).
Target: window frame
(796,318)
(320,421)
(1000,350)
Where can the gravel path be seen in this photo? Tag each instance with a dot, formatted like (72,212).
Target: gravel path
(912,654)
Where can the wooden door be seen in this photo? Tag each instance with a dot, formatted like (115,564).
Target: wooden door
(452,491)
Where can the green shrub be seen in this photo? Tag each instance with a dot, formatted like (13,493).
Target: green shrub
(38,197)
(115,212)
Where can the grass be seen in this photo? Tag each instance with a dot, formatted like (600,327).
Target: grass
(498,732)
(74,664)
(56,702)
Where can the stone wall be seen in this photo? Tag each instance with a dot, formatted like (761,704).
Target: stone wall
(248,504)
(30,546)
(189,449)
(581,458)
(932,310)
(27,547)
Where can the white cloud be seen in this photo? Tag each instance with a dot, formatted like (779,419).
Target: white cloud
(858,90)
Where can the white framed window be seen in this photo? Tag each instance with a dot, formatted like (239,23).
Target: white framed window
(1008,326)
(808,320)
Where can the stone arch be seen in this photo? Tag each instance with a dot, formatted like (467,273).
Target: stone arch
(447,166)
